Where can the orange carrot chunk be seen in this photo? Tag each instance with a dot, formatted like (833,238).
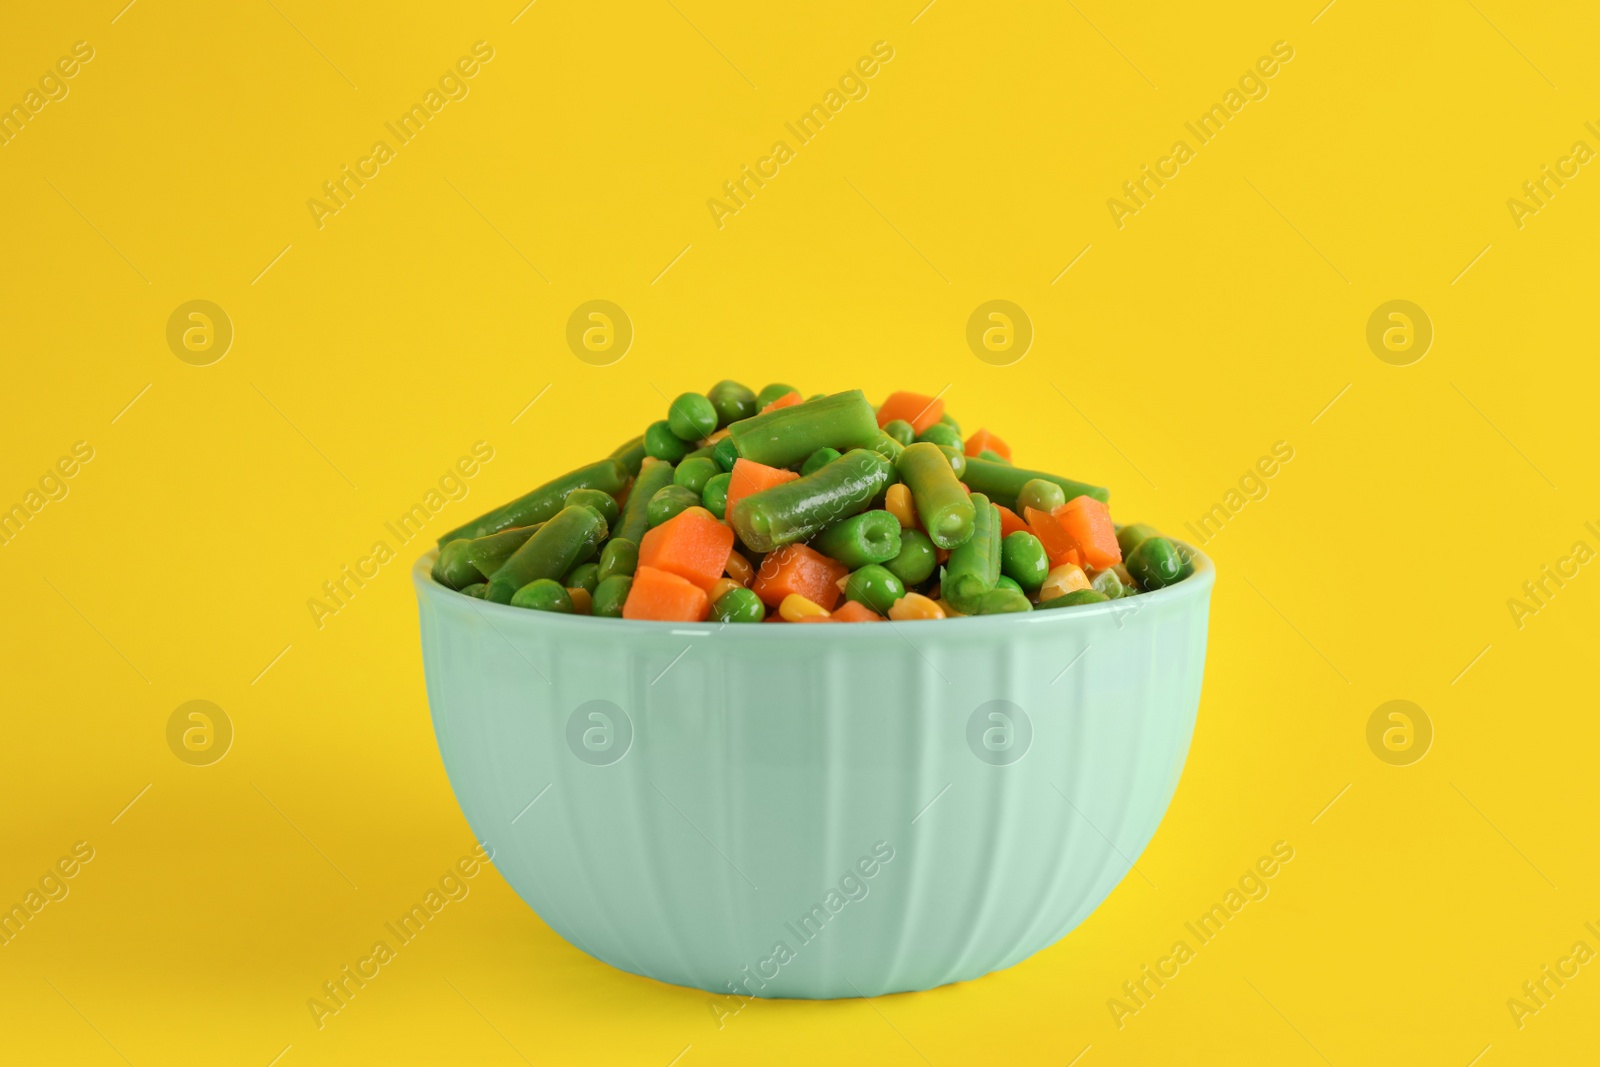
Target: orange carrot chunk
(1010,523)
(854,611)
(1058,545)
(749,477)
(798,569)
(920,411)
(1088,523)
(663,597)
(983,439)
(787,400)
(691,544)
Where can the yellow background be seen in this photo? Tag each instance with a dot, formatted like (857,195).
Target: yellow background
(1223,317)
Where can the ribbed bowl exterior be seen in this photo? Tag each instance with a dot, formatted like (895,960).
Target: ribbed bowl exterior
(815,811)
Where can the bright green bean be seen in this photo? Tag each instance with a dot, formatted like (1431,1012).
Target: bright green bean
(476,589)
(452,567)
(1073,599)
(635,511)
(973,568)
(999,601)
(630,454)
(870,537)
(1002,482)
(945,510)
(957,458)
(786,436)
(795,510)
(571,538)
(608,476)
(604,503)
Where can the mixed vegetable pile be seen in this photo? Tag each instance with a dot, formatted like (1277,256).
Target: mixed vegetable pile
(744,507)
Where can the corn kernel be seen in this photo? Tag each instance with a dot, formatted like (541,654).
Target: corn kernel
(914,606)
(949,611)
(899,504)
(721,586)
(1063,580)
(582,602)
(739,568)
(796,607)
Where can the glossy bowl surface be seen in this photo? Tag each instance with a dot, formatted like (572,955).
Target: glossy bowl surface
(820,810)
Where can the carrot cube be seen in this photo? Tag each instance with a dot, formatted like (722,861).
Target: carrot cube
(663,597)
(799,569)
(920,411)
(691,544)
(749,477)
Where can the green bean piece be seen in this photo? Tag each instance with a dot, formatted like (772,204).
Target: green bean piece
(773,392)
(654,475)
(692,416)
(669,501)
(708,452)
(544,594)
(630,454)
(693,473)
(797,509)
(818,459)
(604,503)
(870,537)
(738,605)
(487,553)
(476,589)
(1040,494)
(725,452)
(945,510)
(1073,599)
(973,568)
(874,586)
(608,476)
(571,538)
(1106,583)
(1002,482)
(732,401)
(786,436)
(1023,560)
(452,567)
(1000,600)
(610,595)
(714,497)
(661,443)
(941,434)
(584,576)
(992,456)
(916,560)
(1130,536)
(900,430)
(620,556)
(957,458)
(888,447)
(1156,562)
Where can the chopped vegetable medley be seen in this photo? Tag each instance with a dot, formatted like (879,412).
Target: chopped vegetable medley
(762,507)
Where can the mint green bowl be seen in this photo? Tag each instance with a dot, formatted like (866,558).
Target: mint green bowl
(815,811)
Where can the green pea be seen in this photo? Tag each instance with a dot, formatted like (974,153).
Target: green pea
(662,443)
(543,595)
(1007,583)
(691,416)
(1001,600)
(947,420)
(733,402)
(725,452)
(1073,599)
(714,497)
(610,595)
(693,474)
(1040,494)
(1130,536)
(916,560)
(584,576)
(708,452)
(476,589)
(1156,562)
(957,458)
(818,459)
(604,503)
(773,392)
(941,434)
(738,605)
(669,501)
(901,431)
(1023,560)
(992,456)
(1106,583)
(619,557)
(874,586)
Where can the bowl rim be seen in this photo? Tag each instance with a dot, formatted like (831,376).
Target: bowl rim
(1195,587)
